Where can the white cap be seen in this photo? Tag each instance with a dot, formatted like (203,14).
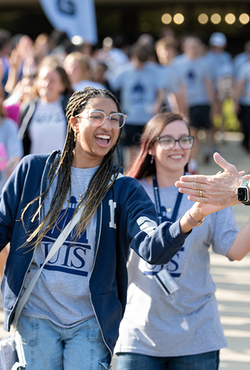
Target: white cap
(218,39)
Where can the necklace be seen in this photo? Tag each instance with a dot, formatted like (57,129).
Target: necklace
(80,195)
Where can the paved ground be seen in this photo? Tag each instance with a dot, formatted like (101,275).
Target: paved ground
(232,279)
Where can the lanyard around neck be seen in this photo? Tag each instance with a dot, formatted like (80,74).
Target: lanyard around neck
(158,202)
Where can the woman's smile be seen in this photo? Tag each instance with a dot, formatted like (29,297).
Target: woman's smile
(103,140)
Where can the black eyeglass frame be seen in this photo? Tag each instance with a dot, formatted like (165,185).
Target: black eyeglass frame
(176,140)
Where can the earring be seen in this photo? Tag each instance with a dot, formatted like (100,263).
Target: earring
(75,133)
(152,159)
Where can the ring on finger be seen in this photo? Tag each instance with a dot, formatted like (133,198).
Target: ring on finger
(201,195)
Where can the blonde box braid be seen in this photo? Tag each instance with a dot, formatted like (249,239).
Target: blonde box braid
(99,185)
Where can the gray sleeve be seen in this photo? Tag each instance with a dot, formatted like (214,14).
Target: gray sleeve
(225,231)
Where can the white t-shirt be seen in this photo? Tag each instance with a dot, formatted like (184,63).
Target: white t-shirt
(47,128)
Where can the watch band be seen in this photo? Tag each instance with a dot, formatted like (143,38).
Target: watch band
(245,202)
(191,221)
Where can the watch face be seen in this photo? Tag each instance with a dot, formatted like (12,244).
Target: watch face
(242,194)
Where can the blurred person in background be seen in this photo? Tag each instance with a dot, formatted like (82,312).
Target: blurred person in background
(219,59)
(241,58)
(141,96)
(5,50)
(99,74)
(199,91)
(166,49)
(41,47)
(11,152)
(23,92)
(58,43)
(22,61)
(113,53)
(43,123)
(78,69)
(241,97)
(221,66)
(241,91)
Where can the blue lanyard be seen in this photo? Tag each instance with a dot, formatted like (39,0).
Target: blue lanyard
(158,203)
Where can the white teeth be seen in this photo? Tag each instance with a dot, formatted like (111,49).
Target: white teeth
(176,156)
(105,137)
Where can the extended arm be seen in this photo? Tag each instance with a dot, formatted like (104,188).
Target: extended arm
(241,246)
(218,190)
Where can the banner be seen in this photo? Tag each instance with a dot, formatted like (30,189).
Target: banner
(75,17)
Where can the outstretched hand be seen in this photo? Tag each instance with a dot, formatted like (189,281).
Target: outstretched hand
(219,190)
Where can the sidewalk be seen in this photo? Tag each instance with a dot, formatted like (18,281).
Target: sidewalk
(232,278)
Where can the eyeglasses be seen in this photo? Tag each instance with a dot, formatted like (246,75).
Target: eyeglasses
(97,118)
(168,142)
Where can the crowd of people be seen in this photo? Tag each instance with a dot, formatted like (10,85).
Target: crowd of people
(181,74)
(73,114)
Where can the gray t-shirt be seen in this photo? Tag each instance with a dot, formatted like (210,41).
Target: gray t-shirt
(62,291)
(244,75)
(171,79)
(194,74)
(139,88)
(186,322)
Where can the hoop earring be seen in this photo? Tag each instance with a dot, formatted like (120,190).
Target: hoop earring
(152,159)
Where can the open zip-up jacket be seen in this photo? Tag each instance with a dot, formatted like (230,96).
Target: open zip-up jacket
(126,219)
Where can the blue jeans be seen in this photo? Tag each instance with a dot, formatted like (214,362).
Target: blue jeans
(50,347)
(134,361)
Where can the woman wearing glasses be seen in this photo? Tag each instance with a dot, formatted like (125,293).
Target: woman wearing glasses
(72,316)
(171,319)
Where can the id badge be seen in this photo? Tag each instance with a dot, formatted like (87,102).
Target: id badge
(166,282)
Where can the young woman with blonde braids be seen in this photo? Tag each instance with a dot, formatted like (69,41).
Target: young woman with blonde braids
(71,319)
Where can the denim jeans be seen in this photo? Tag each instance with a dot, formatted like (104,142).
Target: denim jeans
(50,347)
(134,361)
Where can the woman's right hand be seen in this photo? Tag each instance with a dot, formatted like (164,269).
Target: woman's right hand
(197,212)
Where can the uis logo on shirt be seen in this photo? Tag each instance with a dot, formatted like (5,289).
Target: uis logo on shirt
(72,257)
(173,266)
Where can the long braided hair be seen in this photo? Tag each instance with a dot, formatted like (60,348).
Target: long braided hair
(99,185)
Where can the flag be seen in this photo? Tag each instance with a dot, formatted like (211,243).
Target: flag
(75,17)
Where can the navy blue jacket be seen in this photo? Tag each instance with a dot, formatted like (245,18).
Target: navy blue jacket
(126,218)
